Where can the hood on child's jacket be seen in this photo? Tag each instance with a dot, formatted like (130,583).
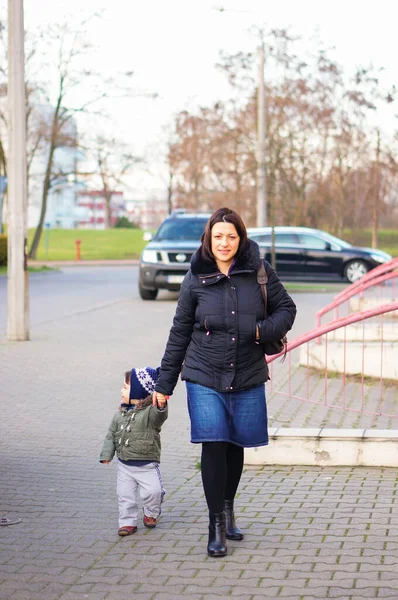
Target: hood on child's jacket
(138,406)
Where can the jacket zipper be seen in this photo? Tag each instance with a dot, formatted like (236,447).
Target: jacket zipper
(210,276)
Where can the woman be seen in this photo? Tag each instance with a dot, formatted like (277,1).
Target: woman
(216,338)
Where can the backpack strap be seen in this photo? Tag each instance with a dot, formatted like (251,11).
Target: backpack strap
(262,279)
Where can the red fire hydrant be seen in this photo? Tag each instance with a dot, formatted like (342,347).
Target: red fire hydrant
(78,242)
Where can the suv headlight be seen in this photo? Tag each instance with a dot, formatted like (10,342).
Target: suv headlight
(149,256)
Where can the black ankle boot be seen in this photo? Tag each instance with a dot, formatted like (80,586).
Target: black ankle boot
(217,545)
(232,530)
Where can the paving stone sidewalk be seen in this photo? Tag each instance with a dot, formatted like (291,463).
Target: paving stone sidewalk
(309,532)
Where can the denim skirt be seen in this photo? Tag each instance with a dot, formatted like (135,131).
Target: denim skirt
(237,417)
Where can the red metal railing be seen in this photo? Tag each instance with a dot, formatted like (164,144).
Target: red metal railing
(376,285)
(373,274)
(352,366)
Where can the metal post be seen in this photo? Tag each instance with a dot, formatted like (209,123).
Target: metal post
(18,288)
(260,155)
(47,240)
(3,187)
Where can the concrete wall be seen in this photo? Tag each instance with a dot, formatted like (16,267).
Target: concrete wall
(371,359)
(327,447)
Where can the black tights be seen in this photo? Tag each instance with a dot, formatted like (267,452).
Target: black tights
(222,465)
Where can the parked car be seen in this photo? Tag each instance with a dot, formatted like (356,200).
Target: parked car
(312,253)
(166,258)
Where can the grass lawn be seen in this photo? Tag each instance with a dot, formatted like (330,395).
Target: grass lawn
(317,288)
(59,244)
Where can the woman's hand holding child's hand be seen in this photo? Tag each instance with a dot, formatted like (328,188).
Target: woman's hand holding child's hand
(159,399)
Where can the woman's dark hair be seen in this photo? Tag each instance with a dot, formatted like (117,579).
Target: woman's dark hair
(223,215)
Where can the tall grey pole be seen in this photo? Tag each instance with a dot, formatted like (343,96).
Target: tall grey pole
(2,190)
(260,154)
(18,282)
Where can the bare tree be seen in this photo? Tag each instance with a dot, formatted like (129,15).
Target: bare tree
(70,47)
(318,141)
(112,164)
(35,126)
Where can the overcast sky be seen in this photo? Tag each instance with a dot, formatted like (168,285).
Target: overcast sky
(172,46)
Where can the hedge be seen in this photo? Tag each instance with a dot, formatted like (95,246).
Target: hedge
(3,249)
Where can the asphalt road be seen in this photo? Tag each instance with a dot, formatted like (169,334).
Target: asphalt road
(62,293)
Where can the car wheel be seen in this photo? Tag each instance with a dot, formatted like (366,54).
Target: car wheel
(355,269)
(147,294)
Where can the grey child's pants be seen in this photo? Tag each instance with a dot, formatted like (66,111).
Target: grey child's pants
(146,479)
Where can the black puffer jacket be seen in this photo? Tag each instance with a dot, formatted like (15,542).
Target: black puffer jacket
(214,327)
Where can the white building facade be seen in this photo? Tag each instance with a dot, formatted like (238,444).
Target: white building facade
(90,209)
(61,200)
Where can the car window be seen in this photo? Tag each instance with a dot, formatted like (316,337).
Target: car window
(281,239)
(261,238)
(312,241)
(286,239)
(181,229)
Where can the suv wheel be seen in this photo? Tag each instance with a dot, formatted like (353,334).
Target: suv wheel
(355,269)
(147,294)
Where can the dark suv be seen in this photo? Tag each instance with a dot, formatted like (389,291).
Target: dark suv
(166,259)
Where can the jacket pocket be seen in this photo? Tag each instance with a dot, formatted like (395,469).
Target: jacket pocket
(209,326)
(208,323)
(140,444)
(247,327)
(214,322)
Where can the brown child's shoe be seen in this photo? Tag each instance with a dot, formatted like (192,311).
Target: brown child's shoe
(127,530)
(150,522)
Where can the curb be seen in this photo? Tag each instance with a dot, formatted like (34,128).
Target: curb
(327,447)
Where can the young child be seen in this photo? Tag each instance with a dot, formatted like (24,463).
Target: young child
(134,434)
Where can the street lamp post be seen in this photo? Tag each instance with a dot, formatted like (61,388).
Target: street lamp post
(18,294)
(260,154)
(261,204)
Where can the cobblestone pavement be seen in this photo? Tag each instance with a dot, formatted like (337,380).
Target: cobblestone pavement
(309,532)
